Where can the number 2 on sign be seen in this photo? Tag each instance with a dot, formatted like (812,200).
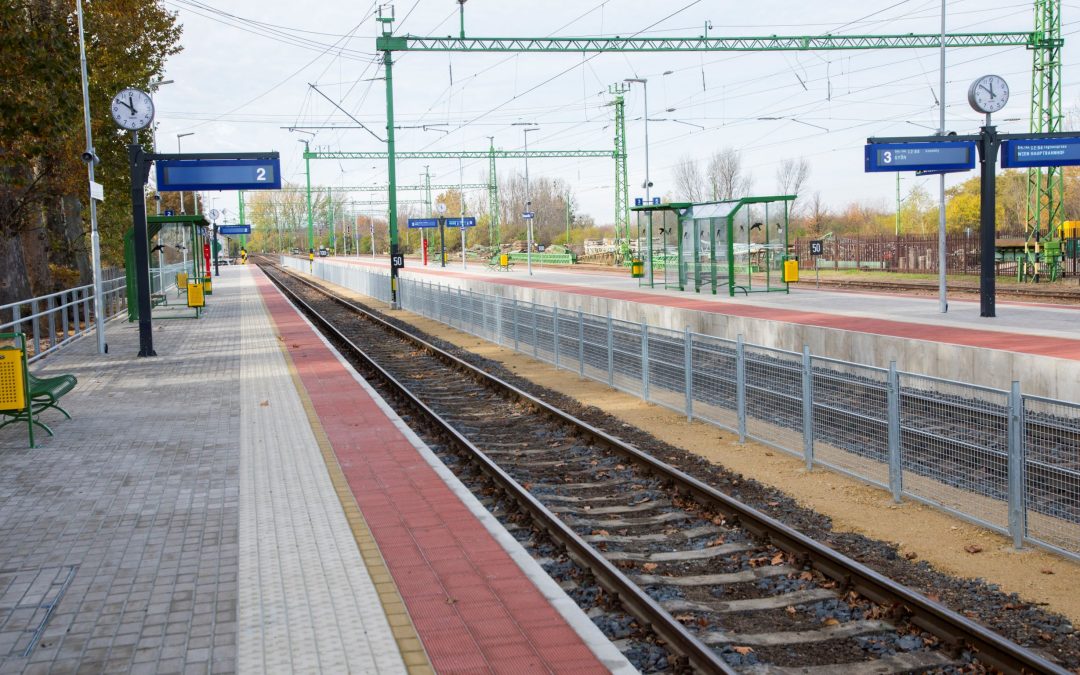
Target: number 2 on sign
(260,173)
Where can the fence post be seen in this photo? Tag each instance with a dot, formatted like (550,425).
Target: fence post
(581,342)
(498,320)
(1017,496)
(896,467)
(610,352)
(16,317)
(64,327)
(555,334)
(688,369)
(740,386)
(644,360)
(35,307)
(76,326)
(535,333)
(808,408)
(86,307)
(514,303)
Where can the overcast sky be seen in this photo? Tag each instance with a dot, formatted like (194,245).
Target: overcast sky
(242,77)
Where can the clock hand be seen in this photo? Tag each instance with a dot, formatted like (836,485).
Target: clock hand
(131,102)
(990,90)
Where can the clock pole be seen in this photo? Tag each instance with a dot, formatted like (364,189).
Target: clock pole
(140,167)
(988,152)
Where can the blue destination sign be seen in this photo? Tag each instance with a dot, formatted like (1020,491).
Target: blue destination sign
(234,229)
(175,175)
(461,222)
(943,156)
(1048,152)
(422,223)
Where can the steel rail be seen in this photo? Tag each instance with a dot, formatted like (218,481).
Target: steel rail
(697,654)
(951,627)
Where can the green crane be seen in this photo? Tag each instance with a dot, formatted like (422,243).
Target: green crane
(1044,41)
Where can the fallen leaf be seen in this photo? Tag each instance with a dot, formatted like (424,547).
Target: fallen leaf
(831,622)
(600,533)
(911,556)
(649,567)
(777,559)
(774,503)
(973,549)
(790,610)
(1047,570)
(684,618)
(934,597)
(264,404)
(450,600)
(807,576)
(743,650)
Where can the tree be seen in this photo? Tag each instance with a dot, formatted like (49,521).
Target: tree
(689,183)
(725,176)
(791,177)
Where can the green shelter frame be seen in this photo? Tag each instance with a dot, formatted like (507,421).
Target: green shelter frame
(154,224)
(740,244)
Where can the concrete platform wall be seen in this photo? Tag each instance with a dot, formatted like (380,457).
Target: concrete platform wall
(1038,375)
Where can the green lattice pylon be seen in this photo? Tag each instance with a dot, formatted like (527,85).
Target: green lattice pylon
(1046,187)
(622,186)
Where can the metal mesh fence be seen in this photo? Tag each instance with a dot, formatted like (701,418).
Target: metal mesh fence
(954,446)
(1051,443)
(1008,462)
(850,418)
(774,407)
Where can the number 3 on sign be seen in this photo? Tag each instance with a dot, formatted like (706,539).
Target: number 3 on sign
(260,173)
(886,157)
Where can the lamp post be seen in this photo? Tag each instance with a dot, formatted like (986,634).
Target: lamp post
(179,151)
(91,159)
(528,204)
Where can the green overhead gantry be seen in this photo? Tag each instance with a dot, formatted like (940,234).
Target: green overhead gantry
(1045,39)
(492,186)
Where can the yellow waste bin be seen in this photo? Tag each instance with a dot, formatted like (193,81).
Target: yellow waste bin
(195,297)
(12,382)
(208,288)
(791,271)
(637,268)
(504,260)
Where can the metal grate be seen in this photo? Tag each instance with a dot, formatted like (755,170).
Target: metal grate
(27,601)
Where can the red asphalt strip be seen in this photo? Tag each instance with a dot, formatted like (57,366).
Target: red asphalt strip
(473,607)
(1039,345)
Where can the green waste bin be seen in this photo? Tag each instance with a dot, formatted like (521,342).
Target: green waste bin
(637,268)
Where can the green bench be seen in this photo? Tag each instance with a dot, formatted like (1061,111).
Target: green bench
(24,396)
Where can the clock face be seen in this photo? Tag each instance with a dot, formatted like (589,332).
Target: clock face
(988,94)
(132,109)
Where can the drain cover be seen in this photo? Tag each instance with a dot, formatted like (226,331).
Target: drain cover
(27,601)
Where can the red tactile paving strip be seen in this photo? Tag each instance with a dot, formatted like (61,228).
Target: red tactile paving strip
(1040,345)
(473,607)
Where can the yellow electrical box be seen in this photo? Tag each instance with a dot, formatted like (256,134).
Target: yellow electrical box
(504,260)
(195,297)
(12,382)
(791,271)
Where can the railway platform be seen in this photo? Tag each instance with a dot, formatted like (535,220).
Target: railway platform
(246,502)
(1035,344)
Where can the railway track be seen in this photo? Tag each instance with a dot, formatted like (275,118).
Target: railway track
(724,587)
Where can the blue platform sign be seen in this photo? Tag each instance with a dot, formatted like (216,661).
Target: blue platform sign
(461,222)
(940,156)
(169,212)
(1020,154)
(656,201)
(528,215)
(175,175)
(234,229)
(639,201)
(422,223)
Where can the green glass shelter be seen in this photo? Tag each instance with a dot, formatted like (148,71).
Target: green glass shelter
(154,224)
(737,245)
